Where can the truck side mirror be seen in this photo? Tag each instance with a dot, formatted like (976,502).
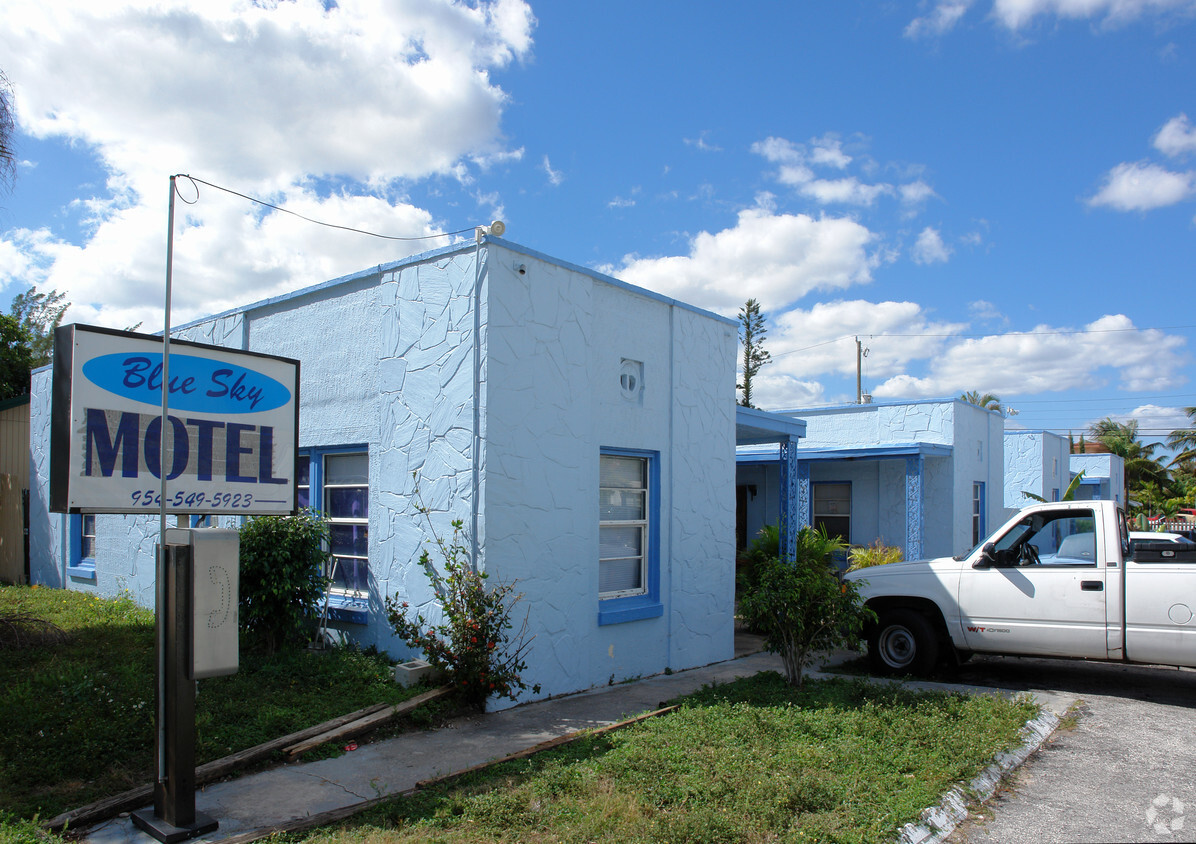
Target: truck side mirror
(988,556)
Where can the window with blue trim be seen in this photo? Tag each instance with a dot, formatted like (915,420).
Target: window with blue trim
(336,481)
(83,546)
(628,535)
(978,526)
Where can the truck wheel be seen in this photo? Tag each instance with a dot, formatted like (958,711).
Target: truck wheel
(903,642)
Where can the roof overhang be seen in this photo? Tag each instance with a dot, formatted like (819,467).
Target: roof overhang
(760,427)
(879,452)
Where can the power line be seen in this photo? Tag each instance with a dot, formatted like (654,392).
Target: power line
(1060,332)
(195,180)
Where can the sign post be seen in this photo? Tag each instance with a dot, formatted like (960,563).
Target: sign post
(225,443)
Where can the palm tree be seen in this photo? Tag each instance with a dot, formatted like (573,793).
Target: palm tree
(1141,467)
(1185,439)
(8,127)
(988,401)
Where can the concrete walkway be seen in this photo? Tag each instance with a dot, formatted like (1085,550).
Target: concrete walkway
(289,792)
(1124,772)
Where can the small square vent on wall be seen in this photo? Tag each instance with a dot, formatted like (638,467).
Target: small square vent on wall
(631,379)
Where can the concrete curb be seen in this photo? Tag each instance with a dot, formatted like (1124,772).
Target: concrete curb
(940,821)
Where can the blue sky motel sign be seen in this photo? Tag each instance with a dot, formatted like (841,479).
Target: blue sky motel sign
(232,426)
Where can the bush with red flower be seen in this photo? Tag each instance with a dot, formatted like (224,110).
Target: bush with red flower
(474,643)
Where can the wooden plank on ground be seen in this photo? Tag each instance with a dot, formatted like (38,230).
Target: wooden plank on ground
(209,772)
(364,723)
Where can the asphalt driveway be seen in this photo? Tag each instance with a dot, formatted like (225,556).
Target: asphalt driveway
(1125,771)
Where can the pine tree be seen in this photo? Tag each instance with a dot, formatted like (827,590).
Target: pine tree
(752,334)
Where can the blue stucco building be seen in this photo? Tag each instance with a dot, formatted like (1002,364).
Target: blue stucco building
(925,476)
(582,429)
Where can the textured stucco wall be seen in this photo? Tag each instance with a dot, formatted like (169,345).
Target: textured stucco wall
(557,340)
(1036,462)
(388,361)
(979,457)
(47,531)
(1106,470)
(861,426)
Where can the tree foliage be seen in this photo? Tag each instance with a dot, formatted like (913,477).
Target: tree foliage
(8,128)
(751,336)
(1184,440)
(988,401)
(801,606)
(1141,466)
(283,576)
(16,359)
(39,314)
(1068,495)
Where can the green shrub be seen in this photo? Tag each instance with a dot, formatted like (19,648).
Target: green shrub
(764,547)
(283,564)
(801,606)
(876,554)
(473,644)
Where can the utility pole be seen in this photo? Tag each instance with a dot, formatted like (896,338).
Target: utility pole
(859,366)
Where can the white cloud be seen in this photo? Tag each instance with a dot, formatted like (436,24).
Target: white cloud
(850,191)
(942,18)
(555,177)
(1049,359)
(929,248)
(1143,186)
(817,341)
(1015,14)
(775,258)
(265,98)
(700,143)
(1152,418)
(915,192)
(799,166)
(986,311)
(1176,138)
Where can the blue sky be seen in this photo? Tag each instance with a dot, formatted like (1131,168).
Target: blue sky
(994,195)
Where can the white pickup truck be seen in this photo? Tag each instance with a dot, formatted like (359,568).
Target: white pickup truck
(1058,580)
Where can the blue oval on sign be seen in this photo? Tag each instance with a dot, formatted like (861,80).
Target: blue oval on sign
(198,384)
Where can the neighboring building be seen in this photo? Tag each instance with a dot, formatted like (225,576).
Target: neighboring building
(583,430)
(14,487)
(1104,477)
(1036,462)
(926,476)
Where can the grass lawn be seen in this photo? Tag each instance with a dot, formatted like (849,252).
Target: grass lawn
(756,760)
(751,761)
(79,713)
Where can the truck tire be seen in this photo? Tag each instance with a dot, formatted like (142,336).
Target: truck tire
(903,642)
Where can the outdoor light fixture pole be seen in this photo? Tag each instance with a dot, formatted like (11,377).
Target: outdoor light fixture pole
(173,817)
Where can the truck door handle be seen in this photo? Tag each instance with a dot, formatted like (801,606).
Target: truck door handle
(1092,586)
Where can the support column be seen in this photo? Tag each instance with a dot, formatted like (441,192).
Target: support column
(914,507)
(795,497)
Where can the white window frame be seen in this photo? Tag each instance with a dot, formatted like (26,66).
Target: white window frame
(642,523)
(325,490)
(815,500)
